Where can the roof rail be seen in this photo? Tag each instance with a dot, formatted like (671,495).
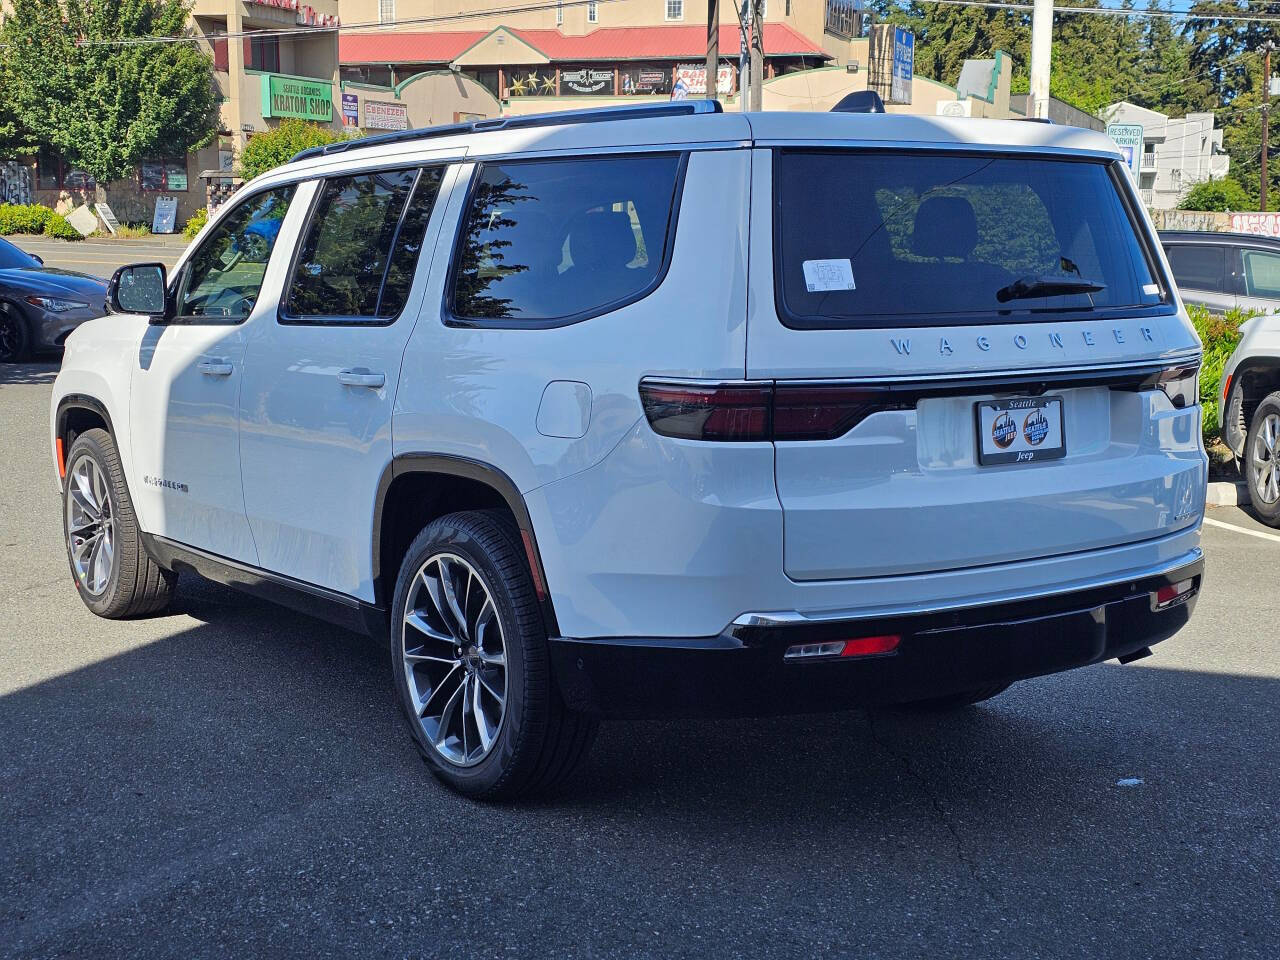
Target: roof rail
(674,108)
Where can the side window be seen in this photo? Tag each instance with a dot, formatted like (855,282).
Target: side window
(223,277)
(1198,266)
(556,240)
(1261,273)
(357,260)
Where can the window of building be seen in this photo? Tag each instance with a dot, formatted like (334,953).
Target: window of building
(550,241)
(358,258)
(559,12)
(593,12)
(842,16)
(222,279)
(264,54)
(675,9)
(163,176)
(54,173)
(1198,266)
(386,11)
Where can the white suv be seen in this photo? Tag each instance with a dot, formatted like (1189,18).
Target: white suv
(658,411)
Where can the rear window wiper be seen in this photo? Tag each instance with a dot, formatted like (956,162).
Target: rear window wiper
(1025,288)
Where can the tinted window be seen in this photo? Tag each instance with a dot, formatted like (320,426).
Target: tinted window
(879,238)
(1197,266)
(11,258)
(224,275)
(1261,273)
(360,250)
(557,239)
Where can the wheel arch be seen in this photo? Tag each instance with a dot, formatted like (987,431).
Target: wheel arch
(1252,380)
(416,488)
(77,413)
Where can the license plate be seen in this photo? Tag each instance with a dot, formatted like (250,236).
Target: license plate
(1020,430)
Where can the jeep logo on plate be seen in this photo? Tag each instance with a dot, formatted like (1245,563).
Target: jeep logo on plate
(1004,430)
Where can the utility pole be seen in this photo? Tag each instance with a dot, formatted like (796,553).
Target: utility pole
(1041,55)
(1266,109)
(713,48)
(757,54)
(744,55)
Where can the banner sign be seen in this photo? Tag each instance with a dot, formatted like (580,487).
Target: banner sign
(1128,137)
(694,77)
(904,64)
(380,115)
(350,110)
(166,215)
(589,80)
(306,99)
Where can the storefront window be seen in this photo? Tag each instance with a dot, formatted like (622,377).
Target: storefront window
(645,79)
(163,176)
(53,173)
(586,81)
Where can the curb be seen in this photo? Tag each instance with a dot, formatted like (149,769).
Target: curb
(1226,494)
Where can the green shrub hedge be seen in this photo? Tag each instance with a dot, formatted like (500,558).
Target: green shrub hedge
(1220,333)
(33,218)
(196,223)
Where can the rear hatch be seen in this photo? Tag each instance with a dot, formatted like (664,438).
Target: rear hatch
(976,357)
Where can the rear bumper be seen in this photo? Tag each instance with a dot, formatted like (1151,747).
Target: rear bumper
(742,672)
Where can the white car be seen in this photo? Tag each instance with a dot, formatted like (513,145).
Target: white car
(658,411)
(1250,391)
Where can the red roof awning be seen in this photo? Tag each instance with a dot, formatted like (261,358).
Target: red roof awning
(676,42)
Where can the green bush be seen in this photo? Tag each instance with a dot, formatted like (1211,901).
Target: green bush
(33,218)
(1218,195)
(266,151)
(196,223)
(1219,333)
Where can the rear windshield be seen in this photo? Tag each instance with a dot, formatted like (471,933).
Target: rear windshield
(880,238)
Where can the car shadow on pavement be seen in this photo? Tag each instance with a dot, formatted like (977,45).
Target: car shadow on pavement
(28,372)
(259,757)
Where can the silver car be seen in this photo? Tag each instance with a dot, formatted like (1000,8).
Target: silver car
(39,305)
(1223,271)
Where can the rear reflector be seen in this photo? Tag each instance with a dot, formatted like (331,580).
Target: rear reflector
(1172,595)
(859,647)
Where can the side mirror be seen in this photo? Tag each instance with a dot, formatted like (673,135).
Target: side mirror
(139,288)
(37,258)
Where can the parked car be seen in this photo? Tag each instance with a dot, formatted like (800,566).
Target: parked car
(1250,391)
(659,411)
(1222,271)
(39,305)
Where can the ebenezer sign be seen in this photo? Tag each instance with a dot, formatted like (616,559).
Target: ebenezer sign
(300,97)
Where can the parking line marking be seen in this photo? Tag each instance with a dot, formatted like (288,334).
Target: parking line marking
(1232,526)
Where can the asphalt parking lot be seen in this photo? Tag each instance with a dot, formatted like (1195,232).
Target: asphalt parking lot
(234,779)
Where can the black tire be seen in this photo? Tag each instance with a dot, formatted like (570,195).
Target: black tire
(1267,509)
(956,701)
(15,341)
(136,585)
(540,743)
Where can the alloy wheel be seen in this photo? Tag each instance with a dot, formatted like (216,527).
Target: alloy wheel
(10,336)
(1264,459)
(91,529)
(454,659)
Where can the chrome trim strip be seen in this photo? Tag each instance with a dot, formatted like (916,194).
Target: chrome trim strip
(792,617)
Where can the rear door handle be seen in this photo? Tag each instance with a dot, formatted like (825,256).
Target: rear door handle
(215,368)
(360,377)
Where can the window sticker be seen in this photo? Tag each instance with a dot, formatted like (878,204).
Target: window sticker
(823,275)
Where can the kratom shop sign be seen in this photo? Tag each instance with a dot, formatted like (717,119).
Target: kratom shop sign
(307,99)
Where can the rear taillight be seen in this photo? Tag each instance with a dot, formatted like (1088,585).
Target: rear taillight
(725,412)
(762,411)
(1181,384)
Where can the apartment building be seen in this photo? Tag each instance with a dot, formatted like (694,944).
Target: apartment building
(1177,153)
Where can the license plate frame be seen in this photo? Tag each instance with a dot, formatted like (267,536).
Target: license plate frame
(993,419)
